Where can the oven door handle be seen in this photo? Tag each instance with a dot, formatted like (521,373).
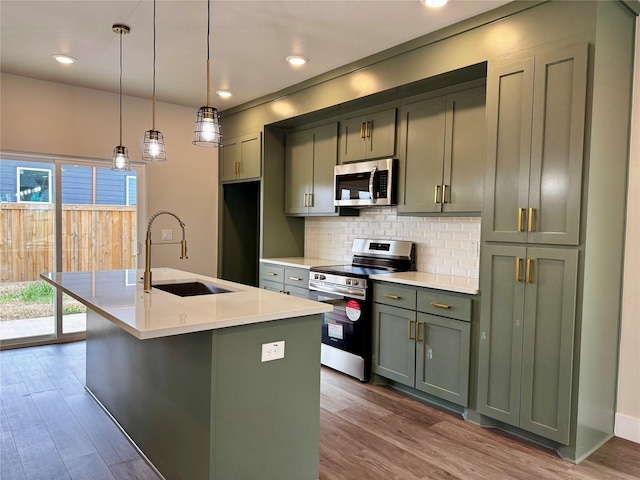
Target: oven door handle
(323,287)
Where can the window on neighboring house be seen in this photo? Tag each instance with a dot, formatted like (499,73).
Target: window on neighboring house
(34,185)
(131,189)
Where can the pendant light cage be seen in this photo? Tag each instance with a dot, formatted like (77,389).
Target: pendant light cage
(120,160)
(153,149)
(207,131)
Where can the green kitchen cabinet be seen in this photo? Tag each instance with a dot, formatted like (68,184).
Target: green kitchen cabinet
(310,157)
(443,142)
(367,137)
(289,280)
(426,351)
(527,337)
(241,158)
(535,135)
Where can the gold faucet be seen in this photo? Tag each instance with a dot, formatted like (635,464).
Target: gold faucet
(147,260)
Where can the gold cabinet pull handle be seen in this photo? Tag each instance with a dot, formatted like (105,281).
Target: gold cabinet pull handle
(271,274)
(418,339)
(440,305)
(520,219)
(444,193)
(531,212)
(436,196)
(394,297)
(311,199)
(409,335)
(368,130)
(362,130)
(529,269)
(295,278)
(518,267)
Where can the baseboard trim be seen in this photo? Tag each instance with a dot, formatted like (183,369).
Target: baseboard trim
(627,428)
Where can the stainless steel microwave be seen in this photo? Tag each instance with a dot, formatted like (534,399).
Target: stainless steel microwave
(362,184)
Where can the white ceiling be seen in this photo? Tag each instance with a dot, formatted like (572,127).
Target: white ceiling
(249,41)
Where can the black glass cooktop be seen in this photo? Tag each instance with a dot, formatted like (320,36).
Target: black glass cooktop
(359,272)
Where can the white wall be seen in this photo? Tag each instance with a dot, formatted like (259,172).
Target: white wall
(628,409)
(55,119)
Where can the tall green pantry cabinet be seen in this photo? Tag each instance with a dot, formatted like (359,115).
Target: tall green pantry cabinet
(536,122)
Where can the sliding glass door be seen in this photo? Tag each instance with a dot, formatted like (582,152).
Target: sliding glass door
(59,215)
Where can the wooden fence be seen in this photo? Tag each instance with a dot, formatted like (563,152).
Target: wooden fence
(94,237)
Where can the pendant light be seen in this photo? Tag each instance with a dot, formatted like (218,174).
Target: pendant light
(207,132)
(120,153)
(153,149)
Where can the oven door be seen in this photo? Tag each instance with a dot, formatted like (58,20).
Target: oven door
(348,326)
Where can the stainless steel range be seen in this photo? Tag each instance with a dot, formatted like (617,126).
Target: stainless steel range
(346,331)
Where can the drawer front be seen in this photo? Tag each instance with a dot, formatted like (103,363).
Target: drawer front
(271,286)
(395,295)
(272,273)
(298,277)
(444,305)
(296,291)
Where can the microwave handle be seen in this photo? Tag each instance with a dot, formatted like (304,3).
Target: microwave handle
(371,182)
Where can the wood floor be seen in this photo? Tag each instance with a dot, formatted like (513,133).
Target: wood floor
(50,428)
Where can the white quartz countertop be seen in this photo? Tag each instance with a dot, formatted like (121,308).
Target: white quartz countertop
(431,280)
(118,295)
(299,262)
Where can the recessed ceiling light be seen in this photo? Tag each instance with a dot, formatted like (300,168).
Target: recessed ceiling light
(223,93)
(433,3)
(66,59)
(297,60)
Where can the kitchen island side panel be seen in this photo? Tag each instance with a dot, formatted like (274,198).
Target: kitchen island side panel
(266,415)
(158,390)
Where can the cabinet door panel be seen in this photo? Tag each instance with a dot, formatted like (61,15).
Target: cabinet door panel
(442,357)
(325,154)
(423,134)
(550,302)
(464,151)
(299,171)
(557,146)
(381,140)
(509,111)
(229,157)
(352,146)
(393,351)
(500,346)
(251,155)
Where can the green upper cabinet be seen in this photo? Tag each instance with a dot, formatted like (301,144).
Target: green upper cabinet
(310,157)
(526,337)
(368,136)
(535,133)
(241,158)
(442,141)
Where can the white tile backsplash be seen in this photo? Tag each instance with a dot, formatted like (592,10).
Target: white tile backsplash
(443,244)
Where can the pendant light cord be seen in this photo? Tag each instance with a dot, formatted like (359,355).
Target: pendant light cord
(120,87)
(153,100)
(208,52)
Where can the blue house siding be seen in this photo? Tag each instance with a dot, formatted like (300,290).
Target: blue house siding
(77,183)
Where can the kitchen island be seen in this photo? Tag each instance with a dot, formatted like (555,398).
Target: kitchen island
(186,377)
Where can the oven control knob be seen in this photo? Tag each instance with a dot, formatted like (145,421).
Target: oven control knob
(320,277)
(354,282)
(347,281)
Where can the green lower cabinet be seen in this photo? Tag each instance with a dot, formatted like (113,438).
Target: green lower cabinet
(394,348)
(442,357)
(427,352)
(526,337)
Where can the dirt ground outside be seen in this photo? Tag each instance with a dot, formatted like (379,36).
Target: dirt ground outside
(14,308)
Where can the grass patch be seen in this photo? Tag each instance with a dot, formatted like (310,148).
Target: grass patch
(21,300)
(33,292)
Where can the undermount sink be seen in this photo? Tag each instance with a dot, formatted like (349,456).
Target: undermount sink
(190,289)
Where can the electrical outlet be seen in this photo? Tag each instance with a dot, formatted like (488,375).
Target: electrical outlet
(167,235)
(272,351)
(473,249)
